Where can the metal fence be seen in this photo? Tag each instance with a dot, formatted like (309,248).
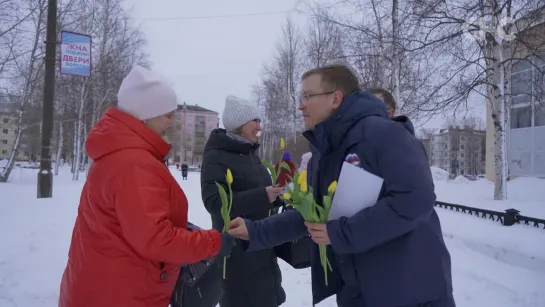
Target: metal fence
(508,218)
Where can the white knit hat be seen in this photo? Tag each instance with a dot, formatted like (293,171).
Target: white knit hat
(145,95)
(238,112)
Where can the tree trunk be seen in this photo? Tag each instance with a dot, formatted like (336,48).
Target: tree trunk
(79,132)
(396,57)
(74,146)
(59,148)
(495,98)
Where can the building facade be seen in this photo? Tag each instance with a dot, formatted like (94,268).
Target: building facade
(525,133)
(190,131)
(459,151)
(8,130)
(427,146)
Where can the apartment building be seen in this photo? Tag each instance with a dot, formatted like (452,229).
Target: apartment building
(191,128)
(8,128)
(459,151)
(427,146)
(525,133)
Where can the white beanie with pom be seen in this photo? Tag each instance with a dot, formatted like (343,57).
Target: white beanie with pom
(145,95)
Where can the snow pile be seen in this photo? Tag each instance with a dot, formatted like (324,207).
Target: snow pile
(439,174)
(533,190)
(461,179)
(524,194)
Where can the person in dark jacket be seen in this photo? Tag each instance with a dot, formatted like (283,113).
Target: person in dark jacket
(252,279)
(391,254)
(285,175)
(185,169)
(387,98)
(391,107)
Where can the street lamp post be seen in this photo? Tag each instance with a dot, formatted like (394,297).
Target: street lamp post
(45,176)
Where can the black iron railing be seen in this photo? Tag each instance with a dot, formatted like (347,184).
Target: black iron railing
(508,218)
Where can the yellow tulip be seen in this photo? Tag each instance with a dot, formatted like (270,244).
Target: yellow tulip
(229,176)
(303,187)
(282,143)
(302,177)
(332,187)
(286,196)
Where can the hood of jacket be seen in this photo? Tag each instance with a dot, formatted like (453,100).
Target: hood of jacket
(354,107)
(405,121)
(117,131)
(219,139)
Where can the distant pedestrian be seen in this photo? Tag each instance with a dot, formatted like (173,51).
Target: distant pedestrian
(185,169)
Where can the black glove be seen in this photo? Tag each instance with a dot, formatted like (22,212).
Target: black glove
(227,243)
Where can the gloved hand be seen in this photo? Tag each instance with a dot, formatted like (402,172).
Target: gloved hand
(227,244)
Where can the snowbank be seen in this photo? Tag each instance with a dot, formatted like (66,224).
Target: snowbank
(524,194)
(461,179)
(439,174)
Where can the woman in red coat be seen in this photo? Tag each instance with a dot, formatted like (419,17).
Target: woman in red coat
(130,235)
(284,176)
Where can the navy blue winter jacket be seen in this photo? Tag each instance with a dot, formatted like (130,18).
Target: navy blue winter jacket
(391,254)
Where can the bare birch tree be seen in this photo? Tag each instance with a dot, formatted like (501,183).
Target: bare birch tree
(79,102)
(25,70)
(324,44)
(482,65)
(278,92)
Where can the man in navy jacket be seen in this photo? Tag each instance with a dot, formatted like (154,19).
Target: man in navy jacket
(391,254)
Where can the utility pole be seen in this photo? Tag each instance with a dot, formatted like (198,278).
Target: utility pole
(45,176)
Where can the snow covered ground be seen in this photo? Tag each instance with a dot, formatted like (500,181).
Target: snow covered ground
(493,265)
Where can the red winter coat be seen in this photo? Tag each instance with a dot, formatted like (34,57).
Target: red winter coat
(130,234)
(284,176)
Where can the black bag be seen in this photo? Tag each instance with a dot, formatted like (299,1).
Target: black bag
(297,253)
(199,284)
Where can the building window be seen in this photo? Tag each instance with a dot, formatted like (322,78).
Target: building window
(521,83)
(4,152)
(527,88)
(521,117)
(539,115)
(4,142)
(6,120)
(5,131)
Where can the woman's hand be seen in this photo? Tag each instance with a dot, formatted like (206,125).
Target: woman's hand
(274,192)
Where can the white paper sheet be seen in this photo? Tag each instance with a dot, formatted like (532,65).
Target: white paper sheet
(357,189)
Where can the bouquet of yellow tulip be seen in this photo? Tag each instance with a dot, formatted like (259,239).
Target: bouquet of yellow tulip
(302,199)
(282,165)
(226,207)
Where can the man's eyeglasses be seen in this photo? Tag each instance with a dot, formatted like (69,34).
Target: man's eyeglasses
(305,98)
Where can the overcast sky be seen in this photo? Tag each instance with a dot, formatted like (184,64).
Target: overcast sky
(206,56)
(207,59)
